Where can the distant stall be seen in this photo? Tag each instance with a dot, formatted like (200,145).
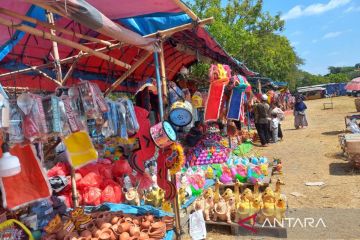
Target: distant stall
(312,92)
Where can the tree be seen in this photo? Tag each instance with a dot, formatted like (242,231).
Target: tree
(251,35)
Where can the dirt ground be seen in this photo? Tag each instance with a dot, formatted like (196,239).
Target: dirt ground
(313,155)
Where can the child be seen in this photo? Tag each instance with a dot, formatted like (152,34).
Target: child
(281,117)
(274,126)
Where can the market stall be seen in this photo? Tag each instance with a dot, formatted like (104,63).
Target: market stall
(66,144)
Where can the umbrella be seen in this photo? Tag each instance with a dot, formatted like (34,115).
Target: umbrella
(353,85)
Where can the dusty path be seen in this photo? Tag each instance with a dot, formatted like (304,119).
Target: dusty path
(311,155)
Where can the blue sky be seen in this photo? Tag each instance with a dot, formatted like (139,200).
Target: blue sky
(323,32)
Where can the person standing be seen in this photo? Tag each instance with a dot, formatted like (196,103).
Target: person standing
(261,120)
(299,113)
(274,126)
(281,116)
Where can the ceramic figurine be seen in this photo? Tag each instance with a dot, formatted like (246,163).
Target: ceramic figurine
(280,208)
(217,192)
(132,197)
(257,194)
(155,197)
(237,187)
(230,200)
(209,174)
(222,211)
(268,210)
(278,188)
(243,209)
(182,196)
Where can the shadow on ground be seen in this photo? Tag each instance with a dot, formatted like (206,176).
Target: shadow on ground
(332,133)
(338,155)
(342,169)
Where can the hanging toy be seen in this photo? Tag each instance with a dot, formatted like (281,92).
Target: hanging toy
(176,160)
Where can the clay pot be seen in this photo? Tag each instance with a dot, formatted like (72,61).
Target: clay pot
(115,229)
(124,227)
(145,224)
(86,234)
(136,221)
(150,218)
(91,227)
(157,230)
(115,220)
(134,231)
(97,232)
(99,222)
(84,238)
(124,236)
(105,234)
(105,225)
(71,236)
(143,235)
(50,237)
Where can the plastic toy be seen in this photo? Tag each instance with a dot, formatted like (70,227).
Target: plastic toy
(226,176)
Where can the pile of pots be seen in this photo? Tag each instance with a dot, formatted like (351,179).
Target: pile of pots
(119,226)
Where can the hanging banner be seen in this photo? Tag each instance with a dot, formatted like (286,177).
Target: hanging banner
(236,100)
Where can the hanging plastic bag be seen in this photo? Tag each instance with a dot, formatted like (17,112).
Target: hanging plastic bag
(4,109)
(16,134)
(92,196)
(52,113)
(132,124)
(80,149)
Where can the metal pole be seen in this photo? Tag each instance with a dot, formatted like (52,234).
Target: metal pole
(159,87)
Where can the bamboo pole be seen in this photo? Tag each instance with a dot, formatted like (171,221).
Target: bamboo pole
(127,73)
(158,85)
(50,26)
(47,76)
(187,10)
(163,72)
(72,68)
(50,19)
(63,41)
(170,31)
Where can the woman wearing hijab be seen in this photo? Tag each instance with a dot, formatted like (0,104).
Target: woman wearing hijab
(299,113)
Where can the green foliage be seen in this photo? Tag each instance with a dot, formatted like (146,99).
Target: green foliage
(250,34)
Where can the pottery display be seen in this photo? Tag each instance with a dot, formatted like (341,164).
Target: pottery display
(115,226)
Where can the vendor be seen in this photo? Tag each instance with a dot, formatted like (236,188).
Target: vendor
(195,134)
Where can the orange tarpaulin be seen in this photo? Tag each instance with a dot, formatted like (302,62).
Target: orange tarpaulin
(29,185)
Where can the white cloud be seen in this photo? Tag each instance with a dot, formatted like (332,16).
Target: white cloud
(313,9)
(332,35)
(352,9)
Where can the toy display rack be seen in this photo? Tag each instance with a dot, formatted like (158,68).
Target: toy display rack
(265,183)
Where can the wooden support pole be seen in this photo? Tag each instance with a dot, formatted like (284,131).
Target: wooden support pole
(170,31)
(163,73)
(47,76)
(186,9)
(50,19)
(127,73)
(50,26)
(63,41)
(72,68)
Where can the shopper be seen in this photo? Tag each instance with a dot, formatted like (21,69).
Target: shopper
(299,113)
(261,111)
(195,134)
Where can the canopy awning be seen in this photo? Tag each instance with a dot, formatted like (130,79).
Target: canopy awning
(21,50)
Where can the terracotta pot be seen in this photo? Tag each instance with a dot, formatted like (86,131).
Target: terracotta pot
(105,225)
(84,238)
(124,227)
(150,218)
(134,231)
(86,234)
(145,224)
(115,229)
(97,233)
(71,236)
(50,237)
(99,222)
(143,235)
(115,220)
(91,227)
(124,236)
(105,234)
(157,230)
(136,221)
